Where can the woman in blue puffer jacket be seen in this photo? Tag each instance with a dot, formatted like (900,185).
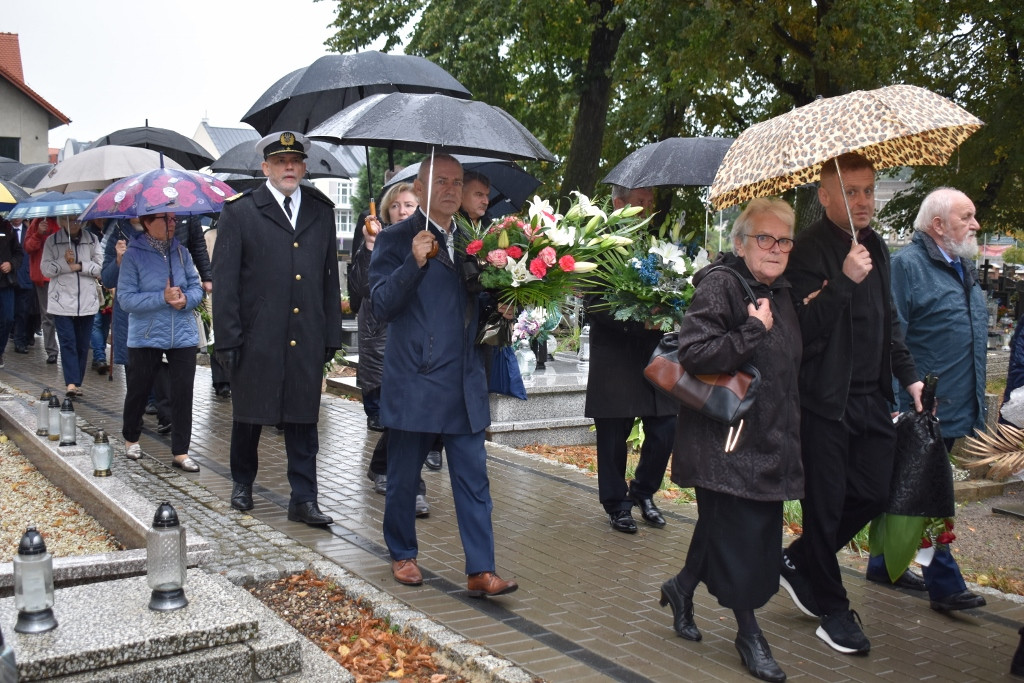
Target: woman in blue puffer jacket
(159,287)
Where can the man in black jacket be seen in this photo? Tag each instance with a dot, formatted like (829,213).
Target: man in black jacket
(618,393)
(853,346)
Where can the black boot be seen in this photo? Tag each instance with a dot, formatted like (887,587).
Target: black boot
(682,610)
(757,657)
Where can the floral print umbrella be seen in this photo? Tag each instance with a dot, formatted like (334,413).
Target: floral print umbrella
(899,125)
(160,190)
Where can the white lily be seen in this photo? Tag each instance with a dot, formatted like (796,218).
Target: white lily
(585,207)
(701,260)
(561,236)
(542,210)
(519,271)
(668,252)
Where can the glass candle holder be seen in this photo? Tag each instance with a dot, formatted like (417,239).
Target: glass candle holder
(33,585)
(166,560)
(43,413)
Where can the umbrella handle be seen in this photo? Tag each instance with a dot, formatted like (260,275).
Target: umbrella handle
(842,188)
(430,188)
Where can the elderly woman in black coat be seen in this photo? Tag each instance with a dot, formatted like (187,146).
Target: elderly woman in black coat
(737,541)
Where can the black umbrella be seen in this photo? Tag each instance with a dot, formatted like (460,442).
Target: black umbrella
(9,167)
(244,159)
(671,163)
(185,151)
(310,95)
(425,123)
(30,176)
(511,186)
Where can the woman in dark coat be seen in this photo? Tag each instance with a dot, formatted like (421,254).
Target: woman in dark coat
(737,541)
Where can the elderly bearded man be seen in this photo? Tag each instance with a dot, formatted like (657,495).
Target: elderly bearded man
(433,381)
(277,318)
(942,307)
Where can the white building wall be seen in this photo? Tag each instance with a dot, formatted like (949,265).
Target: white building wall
(21,117)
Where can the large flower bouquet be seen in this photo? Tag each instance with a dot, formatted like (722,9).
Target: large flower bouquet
(539,260)
(652,284)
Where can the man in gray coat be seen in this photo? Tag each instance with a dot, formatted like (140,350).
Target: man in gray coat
(277,318)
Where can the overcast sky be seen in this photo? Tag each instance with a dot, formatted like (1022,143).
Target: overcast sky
(111,64)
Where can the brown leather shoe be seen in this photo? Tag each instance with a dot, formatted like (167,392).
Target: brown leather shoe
(406,572)
(489,584)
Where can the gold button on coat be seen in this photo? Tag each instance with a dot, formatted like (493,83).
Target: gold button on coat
(295,244)
(291,343)
(298,277)
(295,310)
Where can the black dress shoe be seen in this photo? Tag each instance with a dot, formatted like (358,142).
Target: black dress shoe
(151,408)
(20,349)
(223,391)
(962,600)
(308,513)
(908,579)
(373,423)
(649,511)
(164,429)
(241,496)
(51,359)
(757,657)
(622,521)
(682,610)
(434,460)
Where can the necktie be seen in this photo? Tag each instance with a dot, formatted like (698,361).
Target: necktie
(959,268)
(288,207)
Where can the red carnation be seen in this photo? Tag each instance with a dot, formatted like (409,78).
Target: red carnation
(538,267)
(567,263)
(514,251)
(474,247)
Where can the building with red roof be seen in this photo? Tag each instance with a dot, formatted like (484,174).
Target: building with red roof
(25,117)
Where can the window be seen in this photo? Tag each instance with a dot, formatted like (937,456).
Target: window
(10,148)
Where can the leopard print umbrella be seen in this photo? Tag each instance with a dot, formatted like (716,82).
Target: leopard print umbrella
(899,125)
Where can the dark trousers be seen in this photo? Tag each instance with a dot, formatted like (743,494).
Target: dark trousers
(73,334)
(847,468)
(46,321)
(140,374)
(6,315)
(301,444)
(612,432)
(471,491)
(219,374)
(371,402)
(24,300)
(379,459)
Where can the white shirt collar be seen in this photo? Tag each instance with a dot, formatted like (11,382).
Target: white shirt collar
(279,198)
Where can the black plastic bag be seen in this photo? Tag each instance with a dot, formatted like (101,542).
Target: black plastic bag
(922,480)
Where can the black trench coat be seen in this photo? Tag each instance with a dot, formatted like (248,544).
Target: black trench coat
(278,299)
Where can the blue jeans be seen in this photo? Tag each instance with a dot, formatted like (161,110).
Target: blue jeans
(73,334)
(100,327)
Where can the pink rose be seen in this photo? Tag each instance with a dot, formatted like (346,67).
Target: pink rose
(538,267)
(567,263)
(514,251)
(548,256)
(474,246)
(497,258)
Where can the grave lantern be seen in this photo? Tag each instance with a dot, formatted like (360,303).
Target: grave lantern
(43,413)
(102,455)
(166,560)
(54,410)
(33,585)
(67,423)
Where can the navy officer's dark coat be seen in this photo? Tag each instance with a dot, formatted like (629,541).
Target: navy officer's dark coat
(277,298)
(434,378)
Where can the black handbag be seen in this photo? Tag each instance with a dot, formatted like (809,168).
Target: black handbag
(723,397)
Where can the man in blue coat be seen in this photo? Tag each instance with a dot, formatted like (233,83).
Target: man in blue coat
(942,308)
(433,380)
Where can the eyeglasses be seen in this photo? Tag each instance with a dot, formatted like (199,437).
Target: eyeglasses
(169,218)
(767,242)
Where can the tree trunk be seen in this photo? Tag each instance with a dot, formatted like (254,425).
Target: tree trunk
(591,117)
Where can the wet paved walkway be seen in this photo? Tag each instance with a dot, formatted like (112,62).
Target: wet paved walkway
(587,608)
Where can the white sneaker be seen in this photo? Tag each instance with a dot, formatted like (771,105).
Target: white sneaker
(134,452)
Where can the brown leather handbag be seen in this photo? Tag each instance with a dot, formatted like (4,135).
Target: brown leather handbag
(724,397)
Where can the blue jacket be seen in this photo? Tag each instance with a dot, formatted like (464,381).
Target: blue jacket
(121,229)
(946,325)
(434,378)
(152,322)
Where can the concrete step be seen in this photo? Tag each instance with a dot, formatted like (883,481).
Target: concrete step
(107,632)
